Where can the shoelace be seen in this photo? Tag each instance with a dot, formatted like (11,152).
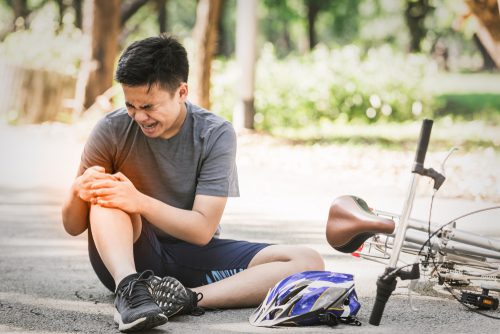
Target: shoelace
(142,295)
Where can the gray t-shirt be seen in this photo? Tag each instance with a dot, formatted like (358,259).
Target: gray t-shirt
(199,159)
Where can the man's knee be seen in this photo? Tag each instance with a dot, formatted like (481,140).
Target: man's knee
(309,259)
(100,215)
(303,258)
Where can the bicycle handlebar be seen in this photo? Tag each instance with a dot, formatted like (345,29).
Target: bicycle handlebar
(423,141)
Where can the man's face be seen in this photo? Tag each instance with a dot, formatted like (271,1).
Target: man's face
(158,112)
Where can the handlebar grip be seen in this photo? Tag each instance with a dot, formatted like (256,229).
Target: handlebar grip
(423,141)
(377,312)
(385,286)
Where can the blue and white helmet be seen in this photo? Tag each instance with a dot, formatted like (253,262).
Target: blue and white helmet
(308,298)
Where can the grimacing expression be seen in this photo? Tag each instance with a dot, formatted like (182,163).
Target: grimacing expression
(158,112)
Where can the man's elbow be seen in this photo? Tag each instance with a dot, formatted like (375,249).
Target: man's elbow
(72,229)
(205,234)
(73,232)
(202,240)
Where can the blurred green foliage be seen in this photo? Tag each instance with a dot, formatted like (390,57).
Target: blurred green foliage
(337,85)
(360,72)
(366,23)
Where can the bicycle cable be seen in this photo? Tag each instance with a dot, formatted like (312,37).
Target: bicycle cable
(495,207)
(435,264)
(450,152)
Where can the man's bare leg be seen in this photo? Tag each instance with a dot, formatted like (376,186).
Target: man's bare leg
(114,235)
(249,287)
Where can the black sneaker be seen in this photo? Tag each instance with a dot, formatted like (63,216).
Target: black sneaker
(173,298)
(135,308)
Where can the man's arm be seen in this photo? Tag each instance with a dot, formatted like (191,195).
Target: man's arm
(196,226)
(75,213)
(75,209)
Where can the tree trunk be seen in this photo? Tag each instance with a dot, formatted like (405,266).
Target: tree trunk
(287,40)
(205,37)
(77,5)
(415,13)
(34,95)
(21,12)
(313,9)
(61,7)
(488,62)
(246,31)
(224,42)
(488,15)
(161,7)
(102,26)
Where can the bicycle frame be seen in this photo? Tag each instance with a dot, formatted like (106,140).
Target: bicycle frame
(458,242)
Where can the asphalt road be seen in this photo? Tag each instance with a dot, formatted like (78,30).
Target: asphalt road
(47,284)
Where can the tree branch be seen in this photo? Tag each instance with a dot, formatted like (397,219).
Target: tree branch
(129,9)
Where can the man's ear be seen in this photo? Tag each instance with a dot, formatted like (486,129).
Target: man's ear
(183,91)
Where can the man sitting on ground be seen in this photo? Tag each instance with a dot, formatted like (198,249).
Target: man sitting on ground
(152,185)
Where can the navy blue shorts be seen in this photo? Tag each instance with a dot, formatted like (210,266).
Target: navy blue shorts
(192,265)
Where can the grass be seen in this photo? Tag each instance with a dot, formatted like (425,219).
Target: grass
(472,96)
(470,106)
(446,133)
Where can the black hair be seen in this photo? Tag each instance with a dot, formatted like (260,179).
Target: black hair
(160,60)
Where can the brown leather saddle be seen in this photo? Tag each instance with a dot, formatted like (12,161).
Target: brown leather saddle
(351,223)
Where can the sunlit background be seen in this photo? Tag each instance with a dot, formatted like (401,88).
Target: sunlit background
(360,73)
(328,92)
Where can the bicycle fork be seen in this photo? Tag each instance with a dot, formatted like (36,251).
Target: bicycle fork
(386,283)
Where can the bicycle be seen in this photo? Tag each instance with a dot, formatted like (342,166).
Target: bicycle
(457,259)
